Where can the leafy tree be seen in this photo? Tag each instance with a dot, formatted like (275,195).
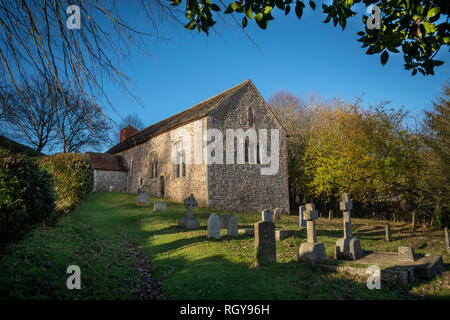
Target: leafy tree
(419,28)
(437,158)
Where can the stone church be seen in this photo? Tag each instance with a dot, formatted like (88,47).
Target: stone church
(145,158)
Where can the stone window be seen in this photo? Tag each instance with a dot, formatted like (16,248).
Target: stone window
(180,164)
(258,159)
(153,165)
(246,150)
(251,152)
(250,117)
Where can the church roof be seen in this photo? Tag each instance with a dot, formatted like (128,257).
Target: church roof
(103,161)
(196,112)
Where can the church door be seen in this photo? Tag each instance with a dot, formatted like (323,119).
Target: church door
(161,186)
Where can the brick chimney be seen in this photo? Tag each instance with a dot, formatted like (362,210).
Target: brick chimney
(126,132)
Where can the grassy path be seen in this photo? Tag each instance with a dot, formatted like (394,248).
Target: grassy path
(191,266)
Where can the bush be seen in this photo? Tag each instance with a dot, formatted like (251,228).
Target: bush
(73,178)
(26,195)
(443,217)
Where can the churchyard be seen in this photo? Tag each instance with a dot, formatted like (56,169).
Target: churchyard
(112,238)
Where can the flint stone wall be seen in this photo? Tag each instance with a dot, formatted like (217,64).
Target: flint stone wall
(103,179)
(241,187)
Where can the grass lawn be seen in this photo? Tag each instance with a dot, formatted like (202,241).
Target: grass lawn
(189,265)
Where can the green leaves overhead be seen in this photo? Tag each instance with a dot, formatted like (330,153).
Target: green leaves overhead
(384,57)
(416,28)
(299,8)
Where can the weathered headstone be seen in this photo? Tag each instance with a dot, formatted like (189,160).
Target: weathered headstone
(143,198)
(233,226)
(224,219)
(330,215)
(406,253)
(214,226)
(447,241)
(266,250)
(266,215)
(112,189)
(277,213)
(348,247)
(311,251)
(189,222)
(388,232)
(301,219)
(159,206)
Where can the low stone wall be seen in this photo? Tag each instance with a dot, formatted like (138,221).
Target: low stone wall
(103,179)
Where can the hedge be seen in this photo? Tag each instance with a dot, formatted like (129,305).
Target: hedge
(26,195)
(73,178)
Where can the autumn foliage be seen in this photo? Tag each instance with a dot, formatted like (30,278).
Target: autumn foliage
(377,153)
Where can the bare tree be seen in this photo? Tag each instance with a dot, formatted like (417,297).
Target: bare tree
(34,35)
(29,114)
(130,120)
(81,125)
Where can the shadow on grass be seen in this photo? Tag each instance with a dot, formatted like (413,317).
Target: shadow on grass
(192,266)
(215,277)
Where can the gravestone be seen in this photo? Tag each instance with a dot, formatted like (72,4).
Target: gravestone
(214,226)
(447,241)
(233,227)
(406,253)
(189,222)
(266,215)
(247,231)
(266,250)
(143,198)
(301,219)
(311,251)
(224,219)
(112,189)
(283,234)
(330,215)
(277,213)
(348,247)
(388,232)
(159,206)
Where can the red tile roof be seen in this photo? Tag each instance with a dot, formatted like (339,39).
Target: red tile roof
(102,161)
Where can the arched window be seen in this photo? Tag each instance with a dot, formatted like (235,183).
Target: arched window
(246,150)
(258,160)
(251,152)
(153,165)
(250,117)
(180,165)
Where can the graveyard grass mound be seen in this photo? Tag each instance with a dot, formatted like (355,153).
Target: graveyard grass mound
(189,265)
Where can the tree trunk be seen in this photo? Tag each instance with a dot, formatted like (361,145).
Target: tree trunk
(414,220)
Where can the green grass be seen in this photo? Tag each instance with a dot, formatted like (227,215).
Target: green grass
(36,267)
(191,266)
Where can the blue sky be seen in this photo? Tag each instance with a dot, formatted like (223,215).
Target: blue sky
(300,56)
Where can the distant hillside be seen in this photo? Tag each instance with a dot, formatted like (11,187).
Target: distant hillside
(18,147)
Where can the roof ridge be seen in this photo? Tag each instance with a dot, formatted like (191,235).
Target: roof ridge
(176,114)
(200,109)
